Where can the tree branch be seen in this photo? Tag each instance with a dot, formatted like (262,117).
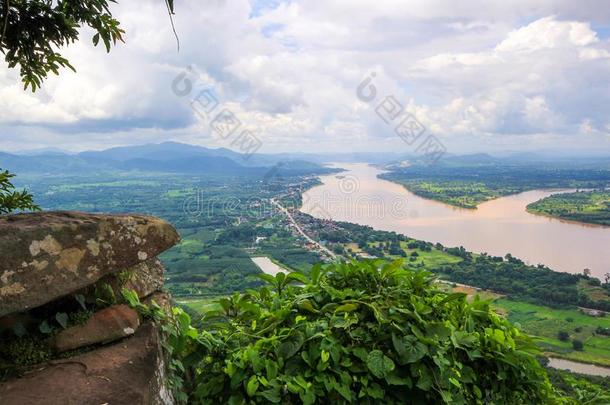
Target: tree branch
(8,5)
(170,11)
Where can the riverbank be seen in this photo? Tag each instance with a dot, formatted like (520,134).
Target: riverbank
(455,194)
(588,207)
(388,206)
(502,213)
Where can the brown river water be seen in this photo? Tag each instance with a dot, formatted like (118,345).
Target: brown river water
(497,227)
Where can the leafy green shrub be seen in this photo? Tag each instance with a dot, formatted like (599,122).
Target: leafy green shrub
(577,344)
(563,335)
(602,331)
(580,389)
(358,332)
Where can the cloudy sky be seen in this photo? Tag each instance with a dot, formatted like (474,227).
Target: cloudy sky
(479,75)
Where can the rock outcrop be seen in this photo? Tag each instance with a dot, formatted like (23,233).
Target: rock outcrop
(106,325)
(61,277)
(47,255)
(129,372)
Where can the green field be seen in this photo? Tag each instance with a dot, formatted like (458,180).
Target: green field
(583,206)
(118,183)
(432,258)
(468,182)
(200,305)
(545,323)
(458,193)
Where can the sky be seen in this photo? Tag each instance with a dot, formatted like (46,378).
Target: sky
(479,76)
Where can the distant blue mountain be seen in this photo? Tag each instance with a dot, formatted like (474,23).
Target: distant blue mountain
(171,157)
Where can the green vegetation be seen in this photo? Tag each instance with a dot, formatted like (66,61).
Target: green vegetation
(357,332)
(458,193)
(32,31)
(548,325)
(25,337)
(535,284)
(466,185)
(219,218)
(213,259)
(581,389)
(199,306)
(11,199)
(583,206)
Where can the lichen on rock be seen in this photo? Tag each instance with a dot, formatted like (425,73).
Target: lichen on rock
(61,280)
(70,250)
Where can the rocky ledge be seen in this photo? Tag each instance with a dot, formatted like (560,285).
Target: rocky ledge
(129,372)
(65,330)
(47,255)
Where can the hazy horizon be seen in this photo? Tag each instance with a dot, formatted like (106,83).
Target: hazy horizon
(547,154)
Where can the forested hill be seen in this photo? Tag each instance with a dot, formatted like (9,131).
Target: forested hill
(168,157)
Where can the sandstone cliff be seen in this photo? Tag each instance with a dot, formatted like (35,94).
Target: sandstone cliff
(66,335)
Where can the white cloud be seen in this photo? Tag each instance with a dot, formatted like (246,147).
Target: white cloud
(477,76)
(548,33)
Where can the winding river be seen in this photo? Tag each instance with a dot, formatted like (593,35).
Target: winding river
(497,227)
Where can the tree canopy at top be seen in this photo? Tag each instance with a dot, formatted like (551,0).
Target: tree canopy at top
(33,31)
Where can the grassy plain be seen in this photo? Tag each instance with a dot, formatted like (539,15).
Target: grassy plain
(583,206)
(200,305)
(545,323)
(467,183)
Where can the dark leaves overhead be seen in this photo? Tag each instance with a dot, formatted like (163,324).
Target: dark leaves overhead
(32,31)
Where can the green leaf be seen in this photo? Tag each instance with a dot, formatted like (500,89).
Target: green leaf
(291,345)
(308,397)
(424,381)
(438,330)
(307,306)
(379,364)
(453,297)
(268,278)
(272,395)
(62,319)
(252,386)
(81,300)
(499,336)
(342,389)
(408,350)
(324,356)
(349,307)
(44,328)
(361,353)
(464,339)
(271,369)
(19,329)
(298,277)
(131,297)
(394,379)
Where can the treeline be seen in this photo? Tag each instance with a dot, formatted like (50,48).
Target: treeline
(466,185)
(506,275)
(583,206)
(511,276)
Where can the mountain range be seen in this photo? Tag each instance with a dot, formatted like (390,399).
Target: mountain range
(174,157)
(169,157)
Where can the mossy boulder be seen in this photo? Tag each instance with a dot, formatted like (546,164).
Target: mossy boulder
(47,255)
